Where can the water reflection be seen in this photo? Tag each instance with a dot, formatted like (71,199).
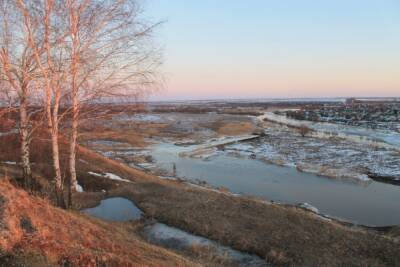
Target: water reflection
(115,209)
(376,204)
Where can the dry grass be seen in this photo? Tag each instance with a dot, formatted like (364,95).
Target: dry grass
(134,133)
(63,236)
(282,235)
(239,128)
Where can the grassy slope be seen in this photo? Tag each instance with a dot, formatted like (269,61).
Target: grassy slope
(32,227)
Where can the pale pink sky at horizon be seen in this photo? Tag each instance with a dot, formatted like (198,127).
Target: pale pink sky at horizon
(279,49)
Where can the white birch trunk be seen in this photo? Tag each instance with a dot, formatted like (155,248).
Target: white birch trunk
(24,136)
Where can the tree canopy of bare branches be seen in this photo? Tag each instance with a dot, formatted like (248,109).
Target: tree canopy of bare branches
(73,53)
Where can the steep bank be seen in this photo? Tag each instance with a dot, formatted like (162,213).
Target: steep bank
(35,233)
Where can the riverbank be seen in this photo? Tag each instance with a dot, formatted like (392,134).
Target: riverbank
(282,235)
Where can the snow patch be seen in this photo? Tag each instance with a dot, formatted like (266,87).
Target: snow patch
(9,162)
(79,188)
(9,132)
(116,177)
(141,118)
(207,150)
(83,161)
(110,176)
(309,207)
(96,174)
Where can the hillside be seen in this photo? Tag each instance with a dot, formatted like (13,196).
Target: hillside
(35,233)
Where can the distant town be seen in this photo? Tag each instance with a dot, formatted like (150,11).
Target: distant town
(384,115)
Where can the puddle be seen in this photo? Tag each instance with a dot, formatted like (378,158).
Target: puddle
(170,237)
(115,209)
(375,204)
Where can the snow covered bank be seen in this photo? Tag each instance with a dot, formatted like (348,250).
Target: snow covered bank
(309,207)
(110,176)
(387,139)
(331,157)
(340,173)
(209,149)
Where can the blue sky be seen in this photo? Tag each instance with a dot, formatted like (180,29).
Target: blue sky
(281,48)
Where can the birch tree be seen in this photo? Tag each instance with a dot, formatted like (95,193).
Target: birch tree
(17,71)
(46,36)
(85,50)
(111,54)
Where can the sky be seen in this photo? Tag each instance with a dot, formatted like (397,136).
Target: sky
(232,49)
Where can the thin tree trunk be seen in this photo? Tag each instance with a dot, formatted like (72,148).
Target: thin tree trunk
(72,156)
(24,136)
(73,22)
(51,83)
(53,129)
(56,167)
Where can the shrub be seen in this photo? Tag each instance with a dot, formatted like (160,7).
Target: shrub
(304,130)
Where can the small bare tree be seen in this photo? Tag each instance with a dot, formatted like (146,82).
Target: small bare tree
(304,130)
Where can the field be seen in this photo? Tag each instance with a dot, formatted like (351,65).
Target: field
(116,159)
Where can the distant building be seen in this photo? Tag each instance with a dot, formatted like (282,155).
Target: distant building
(350,101)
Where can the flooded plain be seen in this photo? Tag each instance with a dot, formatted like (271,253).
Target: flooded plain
(331,174)
(372,203)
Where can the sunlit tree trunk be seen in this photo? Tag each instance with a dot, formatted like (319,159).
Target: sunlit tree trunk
(72,153)
(16,68)
(53,124)
(25,141)
(73,25)
(45,50)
